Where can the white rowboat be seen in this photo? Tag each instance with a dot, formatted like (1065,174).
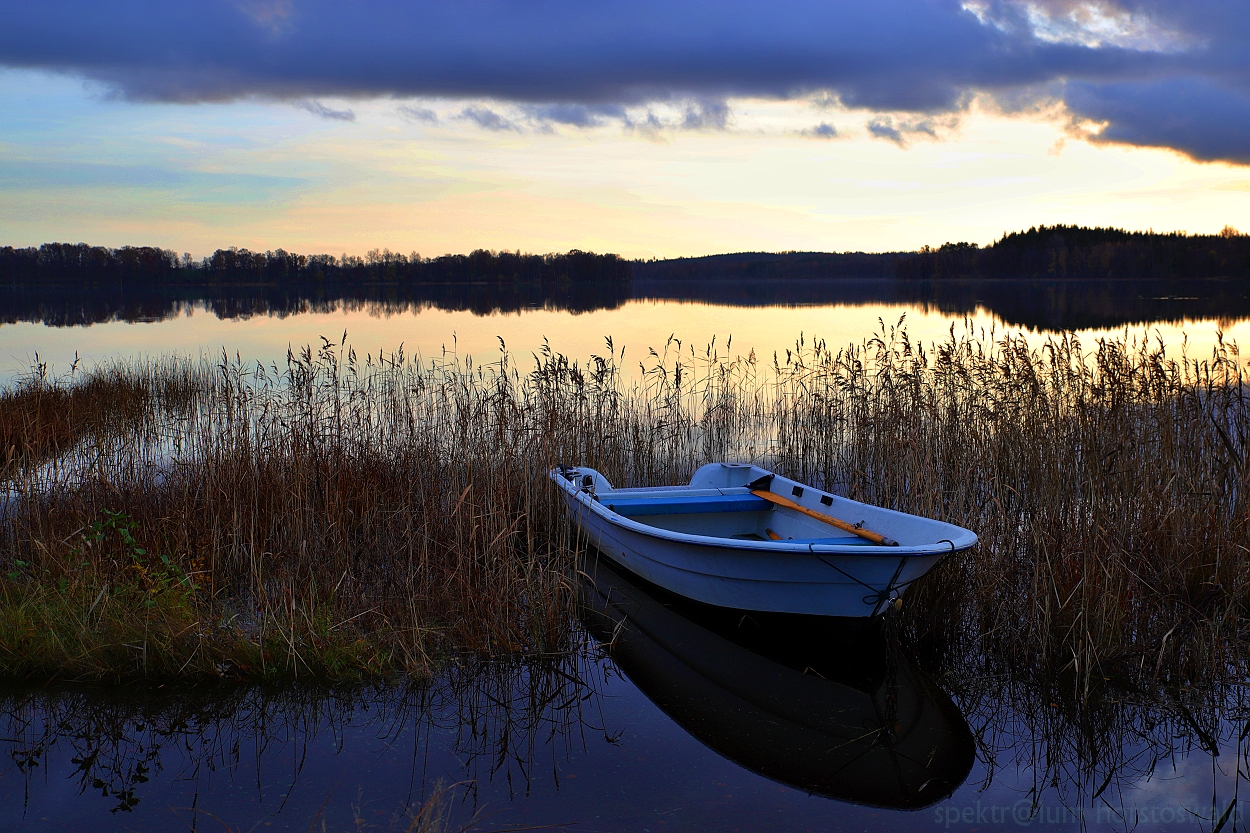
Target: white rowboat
(724,540)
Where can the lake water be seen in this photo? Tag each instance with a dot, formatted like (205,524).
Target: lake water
(670,717)
(260,323)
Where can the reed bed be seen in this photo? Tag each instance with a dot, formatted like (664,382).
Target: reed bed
(345,515)
(40,419)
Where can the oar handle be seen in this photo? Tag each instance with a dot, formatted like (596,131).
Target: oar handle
(829,519)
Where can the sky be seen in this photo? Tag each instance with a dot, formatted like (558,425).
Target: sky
(651,129)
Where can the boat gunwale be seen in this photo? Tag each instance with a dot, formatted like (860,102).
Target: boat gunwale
(942,547)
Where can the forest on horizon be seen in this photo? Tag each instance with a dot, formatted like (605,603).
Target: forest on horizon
(1080,252)
(1042,252)
(60,264)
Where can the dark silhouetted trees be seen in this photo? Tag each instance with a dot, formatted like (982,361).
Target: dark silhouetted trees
(78,263)
(65,264)
(756,266)
(1079,252)
(1043,252)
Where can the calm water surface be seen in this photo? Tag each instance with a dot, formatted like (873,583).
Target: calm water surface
(260,324)
(670,717)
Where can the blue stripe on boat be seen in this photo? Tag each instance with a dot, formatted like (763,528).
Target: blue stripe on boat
(685,505)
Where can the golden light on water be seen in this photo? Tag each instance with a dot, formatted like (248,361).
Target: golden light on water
(636,325)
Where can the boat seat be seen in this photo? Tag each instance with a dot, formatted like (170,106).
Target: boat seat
(684,505)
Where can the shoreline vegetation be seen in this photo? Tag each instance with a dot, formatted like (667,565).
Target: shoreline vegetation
(59,264)
(345,517)
(1068,278)
(1042,252)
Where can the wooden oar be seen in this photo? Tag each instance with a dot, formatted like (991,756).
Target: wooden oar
(832,521)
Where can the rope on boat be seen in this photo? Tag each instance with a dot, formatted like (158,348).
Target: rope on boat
(876,598)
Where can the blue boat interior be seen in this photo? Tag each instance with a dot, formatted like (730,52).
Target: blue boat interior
(741,516)
(685,505)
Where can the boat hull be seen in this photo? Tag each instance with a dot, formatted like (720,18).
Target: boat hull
(782,577)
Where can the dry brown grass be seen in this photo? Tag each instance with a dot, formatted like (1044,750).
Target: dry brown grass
(345,516)
(39,418)
(1109,488)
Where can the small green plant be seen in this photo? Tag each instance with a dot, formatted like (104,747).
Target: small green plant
(156,578)
(120,523)
(16,573)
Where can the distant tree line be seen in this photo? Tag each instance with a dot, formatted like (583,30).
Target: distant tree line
(756,266)
(1080,252)
(1042,252)
(80,264)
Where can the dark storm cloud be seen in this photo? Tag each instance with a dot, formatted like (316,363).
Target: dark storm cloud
(1191,114)
(1115,61)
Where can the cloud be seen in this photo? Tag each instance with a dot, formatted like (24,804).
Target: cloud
(487,119)
(651,126)
(677,115)
(578,115)
(1089,23)
(571,62)
(824,130)
(319,109)
(902,131)
(706,114)
(883,127)
(825,100)
(1206,120)
(421,114)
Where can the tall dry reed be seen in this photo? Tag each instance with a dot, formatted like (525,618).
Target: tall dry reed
(342,514)
(1108,486)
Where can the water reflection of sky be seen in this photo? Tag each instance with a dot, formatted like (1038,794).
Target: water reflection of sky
(636,325)
(624,767)
(577,745)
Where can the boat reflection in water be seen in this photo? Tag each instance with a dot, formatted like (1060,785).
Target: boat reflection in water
(817,704)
